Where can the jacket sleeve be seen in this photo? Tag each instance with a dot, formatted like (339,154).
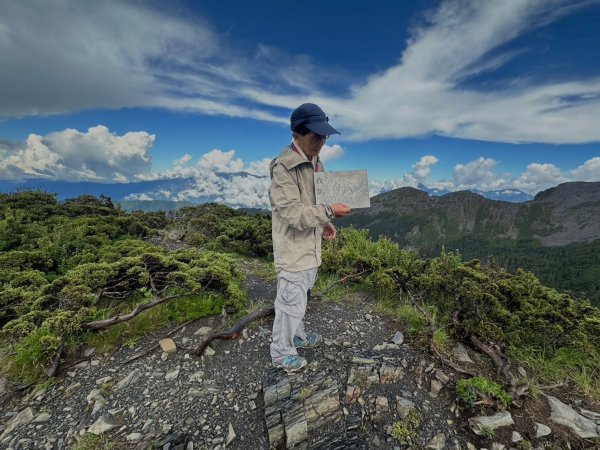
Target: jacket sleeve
(285,197)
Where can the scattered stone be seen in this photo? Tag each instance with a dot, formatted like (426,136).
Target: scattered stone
(498,446)
(42,418)
(436,387)
(168,345)
(541,430)
(516,437)
(382,406)
(404,407)
(440,375)
(170,376)
(202,331)
(23,418)
(362,361)
(127,380)
(460,352)
(398,338)
(565,415)
(89,352)
(591,415)
(438,442)
(134,437)
(70,390)
(390,374)
(102,425)
(352,393)
(482,423)
(230,435)
(103,380)
(209,351)
(385,346)
(82,365)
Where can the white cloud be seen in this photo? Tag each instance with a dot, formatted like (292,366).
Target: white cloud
(588,171)
(423,167)
(113,54)
(220,161)
(183,160)
(478,174)
(538,177)
(95,155)
(259,167)
(420,171)
(330,153)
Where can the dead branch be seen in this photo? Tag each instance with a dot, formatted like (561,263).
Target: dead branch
(51,370)
(432,347)
(150,349)
(501,362)
(102,324)
(235,331)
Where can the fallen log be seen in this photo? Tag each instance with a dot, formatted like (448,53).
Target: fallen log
(235,331)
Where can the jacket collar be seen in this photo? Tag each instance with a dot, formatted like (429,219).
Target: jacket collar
(290,159)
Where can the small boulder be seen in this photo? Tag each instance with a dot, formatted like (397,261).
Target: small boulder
(168,345)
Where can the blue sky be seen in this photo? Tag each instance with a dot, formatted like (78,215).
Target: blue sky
(454,94)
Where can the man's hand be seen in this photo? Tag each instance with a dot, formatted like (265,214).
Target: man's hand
(340,210)
(329,232)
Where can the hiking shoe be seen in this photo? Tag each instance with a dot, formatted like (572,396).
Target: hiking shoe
(312,340)
(291,363)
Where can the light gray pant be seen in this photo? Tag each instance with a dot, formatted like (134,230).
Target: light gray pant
(290,307)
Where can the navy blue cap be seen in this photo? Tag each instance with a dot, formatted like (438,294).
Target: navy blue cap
(313,118)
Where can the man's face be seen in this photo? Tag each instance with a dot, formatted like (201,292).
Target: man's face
(311,143)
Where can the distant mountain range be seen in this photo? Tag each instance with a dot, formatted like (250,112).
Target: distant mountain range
(505,195)
(558,216)
(175,192)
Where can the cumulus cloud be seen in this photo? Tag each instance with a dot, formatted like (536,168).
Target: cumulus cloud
(418,175)
(95,155)
(588,171)
(538,177)
(479,174)
(220,161)
(331,152)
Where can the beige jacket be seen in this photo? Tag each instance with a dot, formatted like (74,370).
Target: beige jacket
(297,221)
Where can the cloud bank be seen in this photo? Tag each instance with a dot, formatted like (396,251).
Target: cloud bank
(98,155)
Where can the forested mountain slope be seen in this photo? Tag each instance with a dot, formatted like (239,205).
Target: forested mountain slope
(556,235)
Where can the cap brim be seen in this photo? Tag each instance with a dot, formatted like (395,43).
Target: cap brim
(322,128)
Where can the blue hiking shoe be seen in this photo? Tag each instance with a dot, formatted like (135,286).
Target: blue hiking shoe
(312,340)
(291,363)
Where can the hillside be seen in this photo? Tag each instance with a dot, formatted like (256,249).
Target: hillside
(438,353)
(556,235)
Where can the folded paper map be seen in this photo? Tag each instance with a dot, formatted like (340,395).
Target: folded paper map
(349,187)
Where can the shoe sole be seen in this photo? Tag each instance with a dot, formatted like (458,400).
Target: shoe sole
(290,369)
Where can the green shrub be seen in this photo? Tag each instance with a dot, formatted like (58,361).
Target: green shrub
(477,388)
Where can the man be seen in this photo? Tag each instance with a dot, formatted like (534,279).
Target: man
(298,224)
